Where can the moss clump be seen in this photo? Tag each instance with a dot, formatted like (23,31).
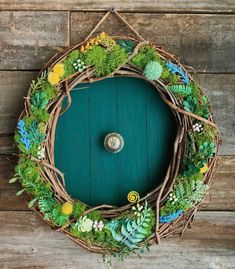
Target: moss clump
(208,135)
(69,68)
(41,115)
(105,62)
(145,55)
(49,90)
(78,209)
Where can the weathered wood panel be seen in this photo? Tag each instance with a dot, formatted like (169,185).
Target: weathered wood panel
(7,145)
(219,87)
(29,39)
(221,90)
(14,86)
(139,5)
(210,49)
(220,197)
(27,242)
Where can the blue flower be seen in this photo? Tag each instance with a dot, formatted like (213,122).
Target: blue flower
(24,136)
(170,217)
(174,68)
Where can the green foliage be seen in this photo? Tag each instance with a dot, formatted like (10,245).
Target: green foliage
(190,104)
(131,232)
(196,103)
(49,90)
(206,150)
(208,134)
(103,237)
(97,57)
(52,211)
(188,192)
(37,84)
(180,89)
(39,99)
(153,70)
(78,209)
(40,115)
(69,68)
(145,55)
(202,108)
(128,45)
(105,62)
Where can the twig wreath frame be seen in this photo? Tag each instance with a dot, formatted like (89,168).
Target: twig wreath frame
(168,209)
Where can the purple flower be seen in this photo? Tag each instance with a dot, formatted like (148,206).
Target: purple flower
(98,225)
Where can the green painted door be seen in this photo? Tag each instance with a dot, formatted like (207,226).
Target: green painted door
(131,107)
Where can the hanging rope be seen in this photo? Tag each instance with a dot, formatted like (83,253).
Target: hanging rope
(114,11)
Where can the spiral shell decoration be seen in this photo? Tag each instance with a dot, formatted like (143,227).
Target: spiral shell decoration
(133,197)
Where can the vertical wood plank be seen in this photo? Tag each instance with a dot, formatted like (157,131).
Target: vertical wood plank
(72,149)
(103,114)
(161,135)
(132,125)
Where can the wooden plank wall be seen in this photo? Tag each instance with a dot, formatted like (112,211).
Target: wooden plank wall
(201,33)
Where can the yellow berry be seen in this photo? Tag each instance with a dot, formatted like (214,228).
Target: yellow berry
(67,208)
(53,78)
(59,69)
(204,169)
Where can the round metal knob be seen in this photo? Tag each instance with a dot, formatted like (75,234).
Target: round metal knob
(113,142)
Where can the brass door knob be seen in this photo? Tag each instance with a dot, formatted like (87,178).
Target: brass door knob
(113,142)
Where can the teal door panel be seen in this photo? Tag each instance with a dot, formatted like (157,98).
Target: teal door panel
(131,107)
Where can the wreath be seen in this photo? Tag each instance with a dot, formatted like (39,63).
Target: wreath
(166,210)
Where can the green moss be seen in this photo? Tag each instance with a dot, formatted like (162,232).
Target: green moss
(69,68)
(115,57)
(105,62)
(49,90)
(145,55)
(41,115)
(78,209)
(208,134)
(97,57)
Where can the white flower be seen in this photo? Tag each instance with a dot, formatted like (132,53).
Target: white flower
(84,224)
(197,127)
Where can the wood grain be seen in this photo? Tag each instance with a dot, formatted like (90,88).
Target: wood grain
(219,87)
(220,197)
(211,49)
(27,242)
(139,5)
(14,86)
(29,39)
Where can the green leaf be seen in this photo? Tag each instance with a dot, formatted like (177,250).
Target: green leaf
(32,202)
(13,180)
(20,192)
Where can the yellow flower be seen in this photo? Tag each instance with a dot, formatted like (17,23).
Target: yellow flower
(204,169)
(87,46)
(53,78)
(59,69)
(103,34)
(82,48)
(67,208)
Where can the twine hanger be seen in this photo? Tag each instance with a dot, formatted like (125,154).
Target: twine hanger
(113,10)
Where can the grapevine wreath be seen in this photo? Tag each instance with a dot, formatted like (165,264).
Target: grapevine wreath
(166,210)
